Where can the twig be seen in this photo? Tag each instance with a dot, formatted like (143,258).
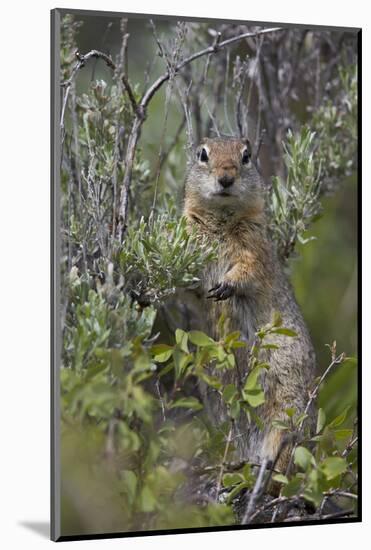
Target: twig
(141,107)
(275,503)
(157,383)
(220,477)
(322,506)
(233,467)
(103,43)
(130,93)
(210,50)
(258,487)
(343,494)
(82,59)
(239,118)
(110,441)
(336,360)
(170,61)
(119,71)
(349,447)
(225,100)
(340,514)
(166,153)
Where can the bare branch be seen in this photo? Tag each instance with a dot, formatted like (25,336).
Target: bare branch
(349,447)
(276,502)
(226,449)
(82,59)
(256,493)
(140,109)
(343,494)
(336,360)
(130,93)
(216,47)
(340,514)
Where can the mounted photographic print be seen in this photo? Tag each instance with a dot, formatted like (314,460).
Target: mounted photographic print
(205,192)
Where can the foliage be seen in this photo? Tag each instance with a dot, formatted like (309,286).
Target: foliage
(336,126)
(155,440)
(313,161)
(295,202)
(161,255)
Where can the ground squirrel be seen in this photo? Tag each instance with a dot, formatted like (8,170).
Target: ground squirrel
(224,200)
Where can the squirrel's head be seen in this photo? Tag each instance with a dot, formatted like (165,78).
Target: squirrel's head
(223,175)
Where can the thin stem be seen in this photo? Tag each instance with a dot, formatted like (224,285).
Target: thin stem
(259,485)
(336,360)
(222,466)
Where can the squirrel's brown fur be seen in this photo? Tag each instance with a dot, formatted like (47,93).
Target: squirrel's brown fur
(224,200)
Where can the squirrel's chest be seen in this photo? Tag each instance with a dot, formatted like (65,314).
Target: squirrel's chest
(239,311)
(215,271)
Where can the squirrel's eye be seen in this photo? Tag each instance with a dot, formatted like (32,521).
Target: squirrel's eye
(245,157)
(202,155)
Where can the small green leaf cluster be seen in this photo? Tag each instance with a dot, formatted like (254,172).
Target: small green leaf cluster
(326,463)
(161,254)
(336,127)
(317,159)
(294,203)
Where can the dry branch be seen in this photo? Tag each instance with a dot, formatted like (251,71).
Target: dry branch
(140,108)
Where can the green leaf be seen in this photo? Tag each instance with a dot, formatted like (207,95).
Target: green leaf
(280,425)
(164,356)
(181,339)
(280,478)
(157,349)
(292,487)
(200,338)
(321,420)
(333,466)
(290,412)
(246,472)
(237,489)
(276,319)
(235,409)
(285,331)
(232,479)
(187,403)
(221,353)
(252,379)
(147,500)
(339,419)
(303,457)
(343,434)
(181,361)
(131,482)
(238,344)
(232,337)
(300,419)
(229,392)
(254,397)
(212,381)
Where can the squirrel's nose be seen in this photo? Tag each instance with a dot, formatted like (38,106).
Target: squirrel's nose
(226,181)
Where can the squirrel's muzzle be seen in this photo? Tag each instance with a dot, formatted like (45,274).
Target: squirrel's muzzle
(226,180)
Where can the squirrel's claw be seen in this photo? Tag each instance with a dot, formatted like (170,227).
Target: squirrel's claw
(222,291)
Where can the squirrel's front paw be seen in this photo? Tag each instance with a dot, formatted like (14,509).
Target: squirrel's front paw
(221,291)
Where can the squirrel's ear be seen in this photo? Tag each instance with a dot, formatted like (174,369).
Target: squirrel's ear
(248,145)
